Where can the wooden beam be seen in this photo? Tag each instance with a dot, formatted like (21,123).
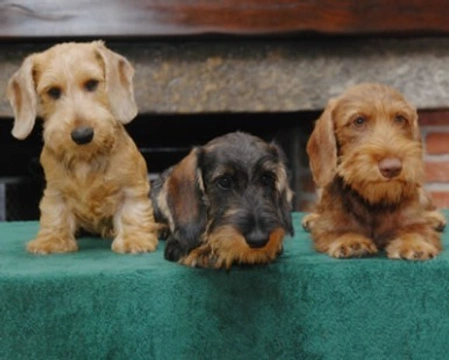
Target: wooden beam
(148,18)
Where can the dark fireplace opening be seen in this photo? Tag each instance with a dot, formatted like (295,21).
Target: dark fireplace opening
(163,140)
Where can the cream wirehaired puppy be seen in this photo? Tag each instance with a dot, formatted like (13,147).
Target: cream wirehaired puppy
(96,179)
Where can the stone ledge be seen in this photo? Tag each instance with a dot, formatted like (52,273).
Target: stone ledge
(270,75)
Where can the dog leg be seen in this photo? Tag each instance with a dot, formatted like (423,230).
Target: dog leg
(309,220)
(135,227)
(347,245)
(175,249)
(202,257)
(57,227)
(436,219)
(414,246)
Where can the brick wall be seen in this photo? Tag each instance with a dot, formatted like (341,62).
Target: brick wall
(435,134)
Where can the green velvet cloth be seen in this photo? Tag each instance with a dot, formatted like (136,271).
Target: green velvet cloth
(95,304)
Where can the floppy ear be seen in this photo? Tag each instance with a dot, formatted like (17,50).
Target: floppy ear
(285,208)
(322,147)
(283,189)
(186,205)
(23,97)
(119,83)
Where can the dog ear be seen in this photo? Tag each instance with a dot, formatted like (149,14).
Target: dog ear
(283,189)
(119,75)
(23,98)
(185,199)
(322,147)
(285,208)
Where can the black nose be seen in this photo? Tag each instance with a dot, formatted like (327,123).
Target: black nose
(82,135)
(390,167)
(256,239)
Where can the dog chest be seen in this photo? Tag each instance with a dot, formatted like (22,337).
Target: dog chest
(91,195)
(99,201)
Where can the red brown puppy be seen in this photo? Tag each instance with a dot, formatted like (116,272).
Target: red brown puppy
(366,158)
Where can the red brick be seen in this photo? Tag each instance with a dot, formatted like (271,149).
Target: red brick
(437,171)
(437,143)
(435,117)
(441,199)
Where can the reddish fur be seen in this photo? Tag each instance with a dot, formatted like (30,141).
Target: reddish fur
(360,211)
(226,247)
(182,185)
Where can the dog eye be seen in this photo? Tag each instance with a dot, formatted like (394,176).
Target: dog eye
(224,182)
(399,119)
(267,179)
(91,85)
(54,93)
(359,121)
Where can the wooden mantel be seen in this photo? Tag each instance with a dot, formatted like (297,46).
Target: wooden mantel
(149,18)
(288,63)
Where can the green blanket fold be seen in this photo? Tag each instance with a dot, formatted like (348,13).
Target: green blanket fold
(95,304)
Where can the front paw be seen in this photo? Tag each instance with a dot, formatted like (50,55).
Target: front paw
(351,245)
(43,245)
(135,243)
(436,219)
(201,257)
(308,221)
(174,250)
(411,247)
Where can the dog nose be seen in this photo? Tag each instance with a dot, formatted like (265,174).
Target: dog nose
(390,167)
(256,239)
(82,135)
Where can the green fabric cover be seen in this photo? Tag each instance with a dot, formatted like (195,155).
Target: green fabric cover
(95,304)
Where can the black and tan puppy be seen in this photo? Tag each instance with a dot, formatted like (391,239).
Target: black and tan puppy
(225,203)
